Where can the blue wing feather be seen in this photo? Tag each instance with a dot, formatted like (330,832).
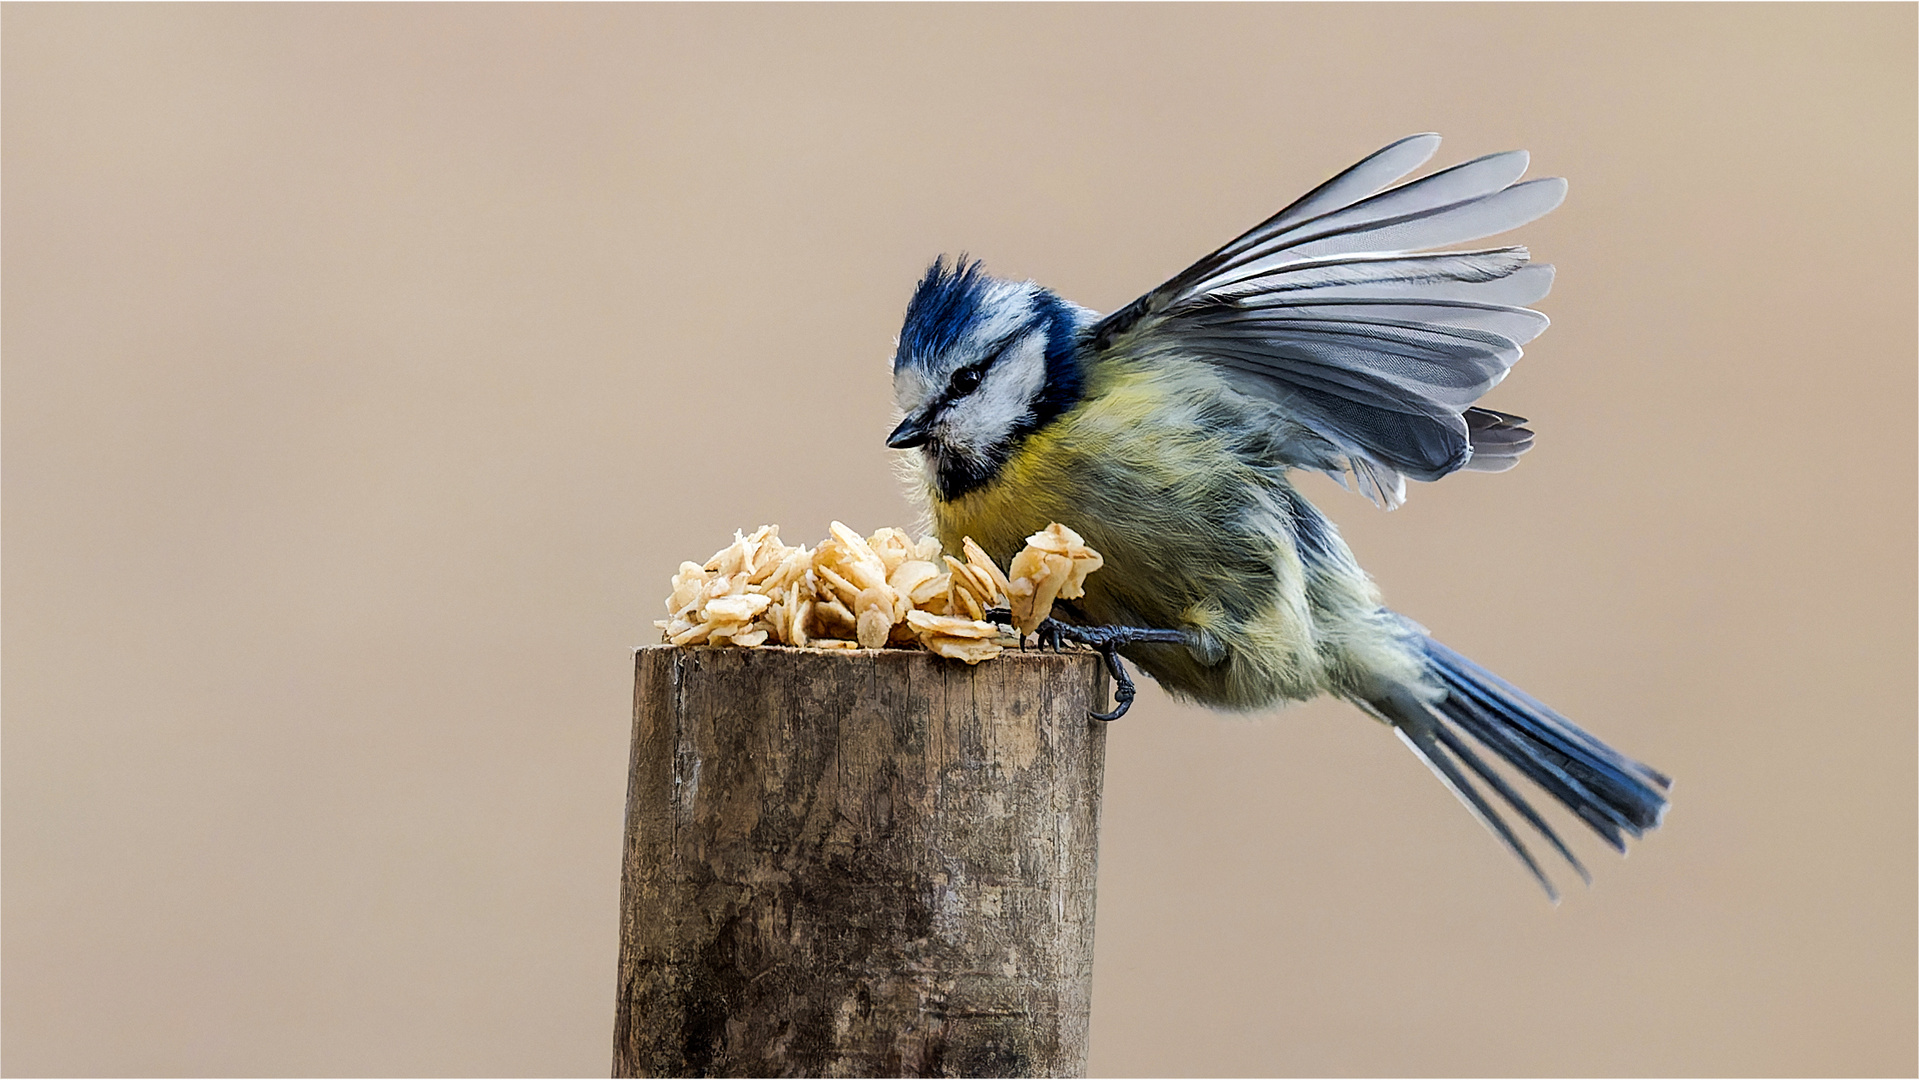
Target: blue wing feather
(1330,309)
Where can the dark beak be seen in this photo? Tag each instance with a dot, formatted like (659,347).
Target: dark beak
(911,432)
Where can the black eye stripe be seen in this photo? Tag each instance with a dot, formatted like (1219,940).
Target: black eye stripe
(967,379)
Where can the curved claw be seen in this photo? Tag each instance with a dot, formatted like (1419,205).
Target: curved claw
(1051,635)
(1106,640)
(1123,691)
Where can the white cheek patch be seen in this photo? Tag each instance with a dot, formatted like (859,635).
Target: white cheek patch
(984,418)
(913,387)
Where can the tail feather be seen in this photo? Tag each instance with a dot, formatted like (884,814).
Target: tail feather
(1544,767)
(1632,793)
(1614,795)
(1423,741)
(1513,798)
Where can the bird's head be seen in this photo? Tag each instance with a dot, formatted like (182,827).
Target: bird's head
(981,363)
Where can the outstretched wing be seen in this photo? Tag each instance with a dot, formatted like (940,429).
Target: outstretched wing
(1373,344)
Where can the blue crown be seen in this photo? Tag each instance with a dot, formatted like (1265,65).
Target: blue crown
(946,303)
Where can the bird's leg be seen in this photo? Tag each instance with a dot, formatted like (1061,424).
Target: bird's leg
(1105,640)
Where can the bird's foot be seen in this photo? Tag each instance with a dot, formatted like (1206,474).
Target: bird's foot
(1105,640)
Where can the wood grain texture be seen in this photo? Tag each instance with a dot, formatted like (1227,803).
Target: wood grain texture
(859,864)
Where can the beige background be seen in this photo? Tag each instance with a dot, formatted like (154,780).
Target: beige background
(369,369)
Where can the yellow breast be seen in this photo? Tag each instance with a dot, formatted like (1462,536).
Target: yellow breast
(1079,470)
(1145,468)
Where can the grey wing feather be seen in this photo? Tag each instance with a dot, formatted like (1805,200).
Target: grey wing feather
(1367,178)
(1517,324)
(1497,439)
(1434,205)
(1378,348)
(1451,278)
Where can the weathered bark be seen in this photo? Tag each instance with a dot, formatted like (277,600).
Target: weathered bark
(859,864)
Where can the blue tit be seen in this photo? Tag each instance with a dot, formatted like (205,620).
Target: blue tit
(1330,337)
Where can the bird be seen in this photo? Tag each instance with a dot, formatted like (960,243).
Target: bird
(1351,333)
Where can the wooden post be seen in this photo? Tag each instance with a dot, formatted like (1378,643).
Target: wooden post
(875,863)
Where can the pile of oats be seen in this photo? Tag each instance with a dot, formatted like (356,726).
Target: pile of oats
(854,592)
(1053,565)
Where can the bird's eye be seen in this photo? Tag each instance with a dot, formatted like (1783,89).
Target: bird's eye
(966,380)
